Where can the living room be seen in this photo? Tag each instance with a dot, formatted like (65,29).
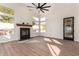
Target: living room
(45,28)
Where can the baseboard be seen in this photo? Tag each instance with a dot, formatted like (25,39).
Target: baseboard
(51,37)
(36,36)
(8,41)
(47,37)
(58,38)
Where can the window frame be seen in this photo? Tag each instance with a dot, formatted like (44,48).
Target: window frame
(39,24)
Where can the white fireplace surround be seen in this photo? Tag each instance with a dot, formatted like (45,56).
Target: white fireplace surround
(18,30)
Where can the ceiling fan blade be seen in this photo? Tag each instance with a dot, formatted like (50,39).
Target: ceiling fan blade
(43,4)
(38,4)
(42,10)
(46,7)
(34,5)
(30,6)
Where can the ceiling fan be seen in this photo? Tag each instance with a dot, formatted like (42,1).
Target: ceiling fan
(42,7)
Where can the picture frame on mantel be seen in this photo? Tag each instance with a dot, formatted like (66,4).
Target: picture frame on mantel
(68,28)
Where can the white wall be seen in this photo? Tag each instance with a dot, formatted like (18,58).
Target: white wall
(54,19)
(76,25)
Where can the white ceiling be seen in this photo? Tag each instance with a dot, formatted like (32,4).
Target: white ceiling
(34,11)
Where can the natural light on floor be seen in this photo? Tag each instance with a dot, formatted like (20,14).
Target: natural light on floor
(47,39)
(55,50)
(57,42)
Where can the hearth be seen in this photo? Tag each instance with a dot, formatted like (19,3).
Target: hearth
(24,33)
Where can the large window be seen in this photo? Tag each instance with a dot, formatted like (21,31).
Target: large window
(42,24)
(39,24)
(6,23)
(6,10)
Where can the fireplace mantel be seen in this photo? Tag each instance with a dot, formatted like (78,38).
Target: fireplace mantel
(24,25)
(20,28)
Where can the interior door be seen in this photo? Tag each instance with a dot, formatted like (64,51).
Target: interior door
(68,28)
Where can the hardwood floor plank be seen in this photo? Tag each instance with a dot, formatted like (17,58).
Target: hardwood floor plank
(40,46)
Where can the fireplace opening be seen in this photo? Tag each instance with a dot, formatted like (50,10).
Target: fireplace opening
(24,33)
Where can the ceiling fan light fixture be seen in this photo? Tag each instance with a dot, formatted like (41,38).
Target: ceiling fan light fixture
(40,7)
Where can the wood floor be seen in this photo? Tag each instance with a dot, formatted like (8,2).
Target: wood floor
(40,46)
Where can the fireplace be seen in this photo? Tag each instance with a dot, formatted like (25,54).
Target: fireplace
(24,33)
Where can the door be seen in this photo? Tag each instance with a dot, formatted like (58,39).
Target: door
(68,28)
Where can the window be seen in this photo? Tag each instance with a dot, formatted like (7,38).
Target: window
(36,24)
(6,23)
(39,24)
(6,19)
(43,25)
(6,10)
(6,14)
